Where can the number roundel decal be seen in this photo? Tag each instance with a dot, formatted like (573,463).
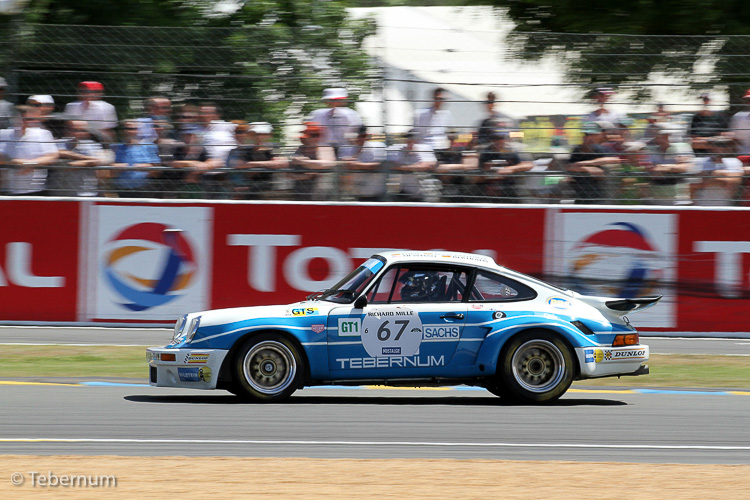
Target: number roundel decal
(391,331)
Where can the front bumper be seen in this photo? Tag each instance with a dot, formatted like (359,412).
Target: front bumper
(192,368)
(609,361)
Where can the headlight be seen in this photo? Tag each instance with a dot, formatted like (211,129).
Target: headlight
(193,328)
(178,328)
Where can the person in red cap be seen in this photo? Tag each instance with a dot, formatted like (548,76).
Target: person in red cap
(308,161)
(740,125)
(100,115)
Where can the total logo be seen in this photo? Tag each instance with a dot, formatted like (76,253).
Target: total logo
(621,260)
(149,264)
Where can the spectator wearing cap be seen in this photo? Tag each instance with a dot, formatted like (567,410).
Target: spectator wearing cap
(432,124)
(253,162)
(666,167)
(704,125)
(337,121)
(721,174)
(601,96)
(27,149)
(365,158)
(308,164)
(500,165)
(495,120)
(411,163)
(740,125)
(99,114)
(45,105)
(589,166)
(8,113)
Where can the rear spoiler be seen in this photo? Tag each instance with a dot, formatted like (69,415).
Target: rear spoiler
(632,305)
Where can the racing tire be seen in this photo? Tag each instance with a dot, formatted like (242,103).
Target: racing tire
(268,368)
(535,367)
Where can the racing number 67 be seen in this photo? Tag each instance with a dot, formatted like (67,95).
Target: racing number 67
(384,333)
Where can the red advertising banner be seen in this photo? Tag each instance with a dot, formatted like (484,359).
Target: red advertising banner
(38,260)
(266,254)
(714,271)
(97,261)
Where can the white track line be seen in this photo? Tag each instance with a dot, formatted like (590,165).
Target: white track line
(379,443)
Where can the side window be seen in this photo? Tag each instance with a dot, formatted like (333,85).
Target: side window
(429,284)
(382,289)
(491,287)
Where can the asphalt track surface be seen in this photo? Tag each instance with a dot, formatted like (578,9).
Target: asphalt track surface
(623,426)
(162,336)
(587,424)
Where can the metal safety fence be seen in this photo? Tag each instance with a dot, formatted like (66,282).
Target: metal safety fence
(546,87)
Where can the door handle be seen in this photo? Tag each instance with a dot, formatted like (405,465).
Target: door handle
(452,316)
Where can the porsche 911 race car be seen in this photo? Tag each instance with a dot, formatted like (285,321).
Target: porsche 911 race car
(410,318)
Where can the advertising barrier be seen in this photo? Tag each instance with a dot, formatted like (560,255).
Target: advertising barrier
(99,261)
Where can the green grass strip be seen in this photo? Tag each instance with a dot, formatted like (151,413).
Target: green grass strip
(106,361)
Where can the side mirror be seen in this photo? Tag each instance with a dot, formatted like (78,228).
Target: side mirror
(361,302)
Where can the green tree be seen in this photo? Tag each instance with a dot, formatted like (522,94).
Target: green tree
(623,43)
(267,60)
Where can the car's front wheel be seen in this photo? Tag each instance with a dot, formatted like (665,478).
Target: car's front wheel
(535,367)
(267,368)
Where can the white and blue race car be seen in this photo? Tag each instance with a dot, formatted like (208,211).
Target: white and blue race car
(410,318)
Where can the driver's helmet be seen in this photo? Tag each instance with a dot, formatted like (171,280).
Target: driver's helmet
(420,286)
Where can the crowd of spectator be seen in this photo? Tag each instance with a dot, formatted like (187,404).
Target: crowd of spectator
(190,151)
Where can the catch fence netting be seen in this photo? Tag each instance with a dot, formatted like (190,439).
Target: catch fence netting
(543,83)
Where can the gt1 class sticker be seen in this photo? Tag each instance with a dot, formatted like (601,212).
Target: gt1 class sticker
(350,327)
(391,331)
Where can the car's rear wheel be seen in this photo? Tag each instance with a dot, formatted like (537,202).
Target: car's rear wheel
(535,367)
(267,368)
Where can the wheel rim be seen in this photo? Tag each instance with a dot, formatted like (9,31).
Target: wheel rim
(538,366)
(269,367)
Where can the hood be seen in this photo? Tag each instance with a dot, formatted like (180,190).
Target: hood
(235,314)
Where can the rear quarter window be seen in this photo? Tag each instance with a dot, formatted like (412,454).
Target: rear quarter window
(490,287)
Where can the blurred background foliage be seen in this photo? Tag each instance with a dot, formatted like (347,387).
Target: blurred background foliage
(273,58)
(270,59)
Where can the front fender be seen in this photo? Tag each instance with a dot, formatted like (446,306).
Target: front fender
(489,352)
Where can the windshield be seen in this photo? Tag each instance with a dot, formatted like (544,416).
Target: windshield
(352,285)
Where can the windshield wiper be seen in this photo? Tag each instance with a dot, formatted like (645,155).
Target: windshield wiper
(318,294)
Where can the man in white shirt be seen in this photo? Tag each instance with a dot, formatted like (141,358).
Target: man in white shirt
(602,113)
(337,120)
(100,115)
(740,125)
(431,124)
(217,135)
(27,149)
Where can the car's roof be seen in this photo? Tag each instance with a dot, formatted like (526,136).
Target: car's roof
(438,256)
